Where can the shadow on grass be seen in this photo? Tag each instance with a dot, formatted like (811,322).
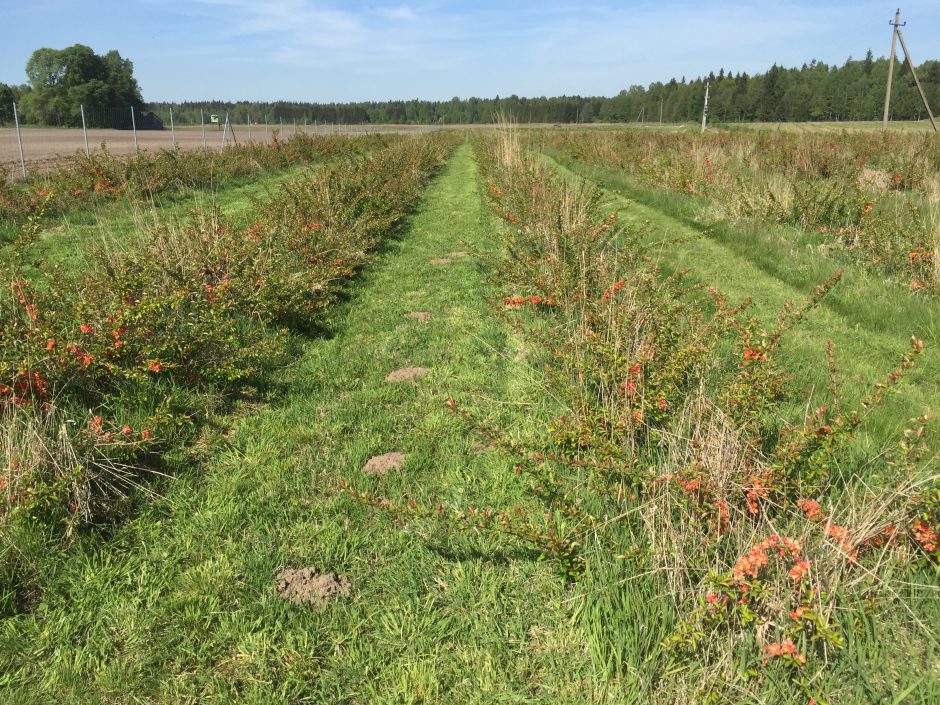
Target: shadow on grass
(496,556)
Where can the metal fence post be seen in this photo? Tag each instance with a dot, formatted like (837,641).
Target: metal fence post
(19,139)
(134,128)
(84,129)
(172,128)
(202,124)
(224,130)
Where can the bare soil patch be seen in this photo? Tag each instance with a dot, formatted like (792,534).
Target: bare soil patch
(439,261)
(44,147)
(457,255)
(310,587)
(406,373)
(422,316)
(383,464)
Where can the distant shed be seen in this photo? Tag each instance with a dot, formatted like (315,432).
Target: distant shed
(149,121)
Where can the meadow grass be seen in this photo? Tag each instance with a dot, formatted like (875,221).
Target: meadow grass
(832,126)
(179,604)
(672,524)
(868,317)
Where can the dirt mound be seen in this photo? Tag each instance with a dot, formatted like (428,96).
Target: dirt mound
(422,316)
(874,179)
(439,260)
(406,373)
(308,586)
(382,464)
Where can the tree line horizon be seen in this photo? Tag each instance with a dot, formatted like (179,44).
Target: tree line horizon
(61,80)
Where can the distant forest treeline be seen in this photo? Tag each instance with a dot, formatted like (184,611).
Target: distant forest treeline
(815,91)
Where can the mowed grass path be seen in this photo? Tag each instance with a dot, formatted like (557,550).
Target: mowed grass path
(179,605)
(869,318)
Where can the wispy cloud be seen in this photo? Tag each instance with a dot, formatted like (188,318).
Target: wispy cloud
(289,28)
(402,12)
(376,49)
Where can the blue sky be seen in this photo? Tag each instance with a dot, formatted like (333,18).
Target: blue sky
(328,50)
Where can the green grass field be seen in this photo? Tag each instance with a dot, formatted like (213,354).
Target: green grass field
(869,318)
(178,602)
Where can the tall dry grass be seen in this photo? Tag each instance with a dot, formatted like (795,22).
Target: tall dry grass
(656,468)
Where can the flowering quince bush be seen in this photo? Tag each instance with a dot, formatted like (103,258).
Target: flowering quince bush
(863,191)
(183,314)
(672,459)
(82,180)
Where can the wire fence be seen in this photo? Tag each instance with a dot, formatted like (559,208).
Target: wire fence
(28,149)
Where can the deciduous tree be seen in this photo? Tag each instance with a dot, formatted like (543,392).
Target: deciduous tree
(62,80)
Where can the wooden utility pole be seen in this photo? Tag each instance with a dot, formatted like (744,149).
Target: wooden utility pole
(705,107)
(894,45)
(895,36)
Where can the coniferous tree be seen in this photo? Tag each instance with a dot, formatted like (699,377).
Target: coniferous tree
(61,80)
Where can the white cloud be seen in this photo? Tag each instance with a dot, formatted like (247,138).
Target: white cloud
(398,48)
(402,12)
(291,30)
